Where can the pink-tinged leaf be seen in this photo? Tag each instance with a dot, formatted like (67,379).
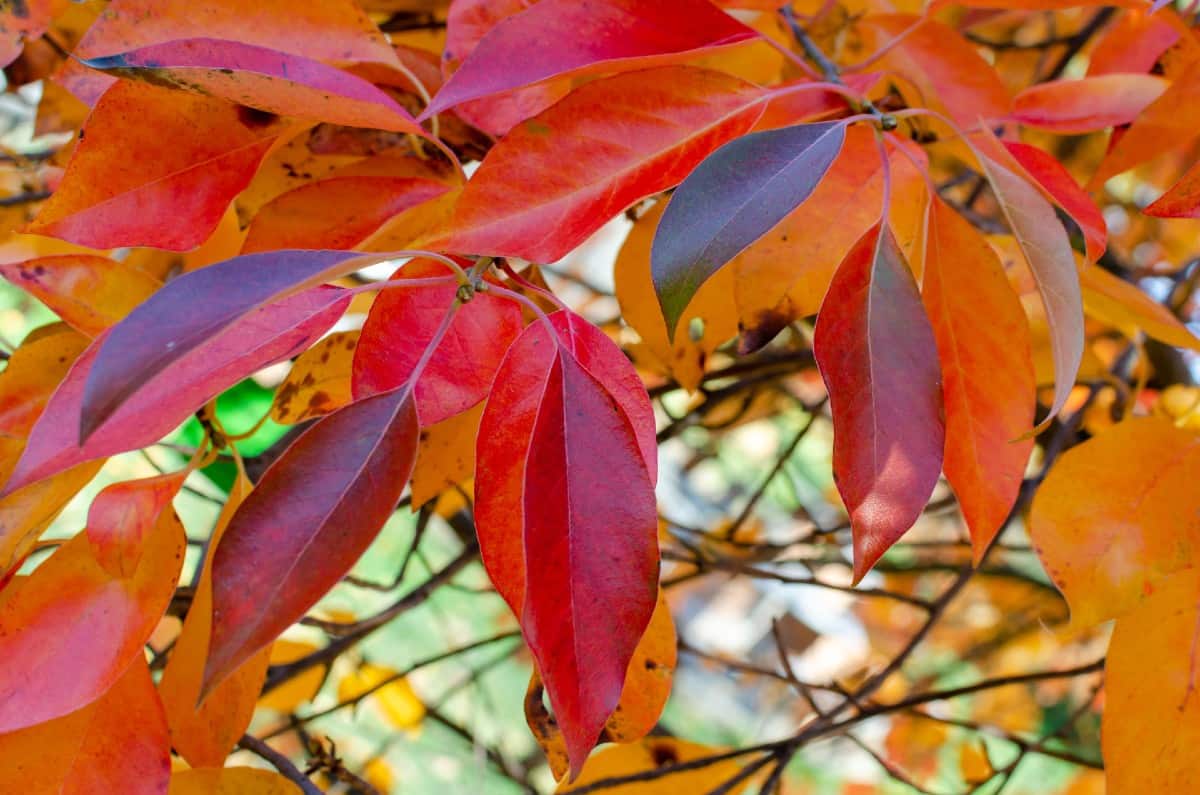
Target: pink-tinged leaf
(608,144)
(122,515)
(402,322)
(988,384)
(795,107)
(1167,124)
(1047,250)
(467,22)
(194,155)
(19,22)
(731,200)
(262,337)
(942,65)
(71,610)
(877,353)
(334,31)
(566,514)
(560,37)
(1045,169)
(88,292)
(262,78)
(313,514)
(1182,200)
(190,311)
(118,743)
(1088,104)
(1132,44)
(335,213)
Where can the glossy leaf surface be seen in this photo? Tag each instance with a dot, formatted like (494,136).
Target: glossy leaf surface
(732,199)
(877,354)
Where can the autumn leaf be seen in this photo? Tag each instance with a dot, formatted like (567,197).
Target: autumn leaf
(161,402)
(445,456)
(1088,104)
(877,354)
(1181,200)
(606,145)
(1126,307)
(593,538)
(1049,174)
(403,321)
(289,543)
(43,639)
(653,753)
(1116,515)
(1044,243)
(89,293)
(1151,722)
(230,781)
(197,153)
(711,317)
(319,381)
(205,732)
(988,384)
(118,743)
(559,37)
(732,199)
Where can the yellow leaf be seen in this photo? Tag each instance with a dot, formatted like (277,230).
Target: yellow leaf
(652,753)
(399,703)
(445,455)
(319,380)
(1121,304)
(380,775)
(647,679)
(299,689)
(231,781)
(1152,701)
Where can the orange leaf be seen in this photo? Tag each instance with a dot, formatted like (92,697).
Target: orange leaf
(204,733)
(445,455)
(1117,302)
(987,371)
(118,743)
(1089,104)
(89,293)
(1118,513)
(195,154)
(231,781)
(1152,710)
(71,629)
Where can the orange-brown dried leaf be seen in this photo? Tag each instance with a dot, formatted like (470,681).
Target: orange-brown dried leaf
(89,293)
(319,380)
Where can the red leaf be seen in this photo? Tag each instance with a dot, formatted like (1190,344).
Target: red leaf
(70,630)
(116,744)
(987,369)
(1089,104)
(400,325)
(560,37)
(876,351)
(194,155)
(1182,200)
(467,22)
(1045,169)
(123,514)
(271,333)
(20,22)
(564,480)
(608,144)
(315,511)
(262,78)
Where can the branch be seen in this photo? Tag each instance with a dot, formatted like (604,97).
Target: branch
(280,763)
